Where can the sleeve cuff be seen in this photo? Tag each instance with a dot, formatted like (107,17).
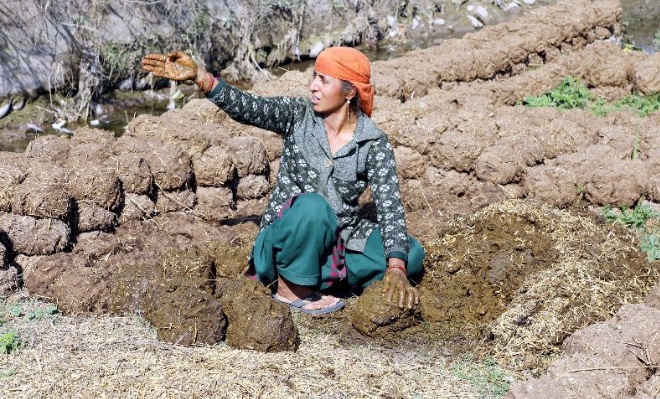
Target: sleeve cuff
(397,254)
(214,92)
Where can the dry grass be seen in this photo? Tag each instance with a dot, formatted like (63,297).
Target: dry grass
(121,357)
(598,271)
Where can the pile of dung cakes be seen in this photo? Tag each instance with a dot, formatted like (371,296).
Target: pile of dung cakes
(60,188)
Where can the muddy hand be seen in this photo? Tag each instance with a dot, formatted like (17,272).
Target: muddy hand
(175,65)
(397,287)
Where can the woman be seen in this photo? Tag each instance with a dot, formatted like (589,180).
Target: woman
(310,235)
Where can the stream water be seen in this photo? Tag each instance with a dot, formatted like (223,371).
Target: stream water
(640,24)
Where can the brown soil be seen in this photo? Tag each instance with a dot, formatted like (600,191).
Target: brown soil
(474,270)
(614,359)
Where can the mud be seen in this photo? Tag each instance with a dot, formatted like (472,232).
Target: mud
(88,216)
(28,235)
(53,149)
(475,268)
(9,279)
(96,184)
(214,167)
(136,207)
(373,316)
(173,201)
(171,167)
(134,173)
(214,202)
(256,321)
(179,274)
(174,293)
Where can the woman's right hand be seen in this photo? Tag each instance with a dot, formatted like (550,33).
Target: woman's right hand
(175,65)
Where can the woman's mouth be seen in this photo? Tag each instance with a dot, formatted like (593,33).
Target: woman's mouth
(315,100)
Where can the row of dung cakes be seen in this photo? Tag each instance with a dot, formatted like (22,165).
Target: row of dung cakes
(62,187)
(501,49)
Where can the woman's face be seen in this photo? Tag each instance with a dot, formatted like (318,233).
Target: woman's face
(327,96)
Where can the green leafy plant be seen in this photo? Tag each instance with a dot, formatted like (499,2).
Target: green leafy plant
(651,246)
(51,310)
(36,314)
(636,217)
(570,93)
(10,342)
(573,93)
(15,310)
(643,105)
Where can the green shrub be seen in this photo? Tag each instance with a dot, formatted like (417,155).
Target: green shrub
(573,93)
(570,93)
(10,342)
(651,246)
(636,217)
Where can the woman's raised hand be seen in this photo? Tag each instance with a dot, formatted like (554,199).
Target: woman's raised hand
(175,65)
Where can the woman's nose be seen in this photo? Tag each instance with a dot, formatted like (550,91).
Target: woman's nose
(313,85)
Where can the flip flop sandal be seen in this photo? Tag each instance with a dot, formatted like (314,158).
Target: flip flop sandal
(297,305)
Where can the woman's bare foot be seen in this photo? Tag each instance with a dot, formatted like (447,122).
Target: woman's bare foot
(289,292)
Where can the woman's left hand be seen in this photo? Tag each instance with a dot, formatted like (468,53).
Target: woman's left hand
(397,286)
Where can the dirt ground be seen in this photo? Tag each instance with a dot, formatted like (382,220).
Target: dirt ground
(158,223)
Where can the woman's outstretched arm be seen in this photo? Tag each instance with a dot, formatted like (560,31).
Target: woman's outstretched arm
(277,114)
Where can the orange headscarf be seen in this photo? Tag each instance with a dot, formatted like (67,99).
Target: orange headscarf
(349,64)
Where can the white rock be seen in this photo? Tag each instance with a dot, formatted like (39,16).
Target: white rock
(94,122)
(470,8)
(529,2)
(35,128)
(5,109)
(316,49)
(510,7)
(482,13)
(391,21)
(59,126)
(475,22)
(415,23)
(439,22)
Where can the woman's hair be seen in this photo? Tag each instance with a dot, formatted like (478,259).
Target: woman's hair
(347,87)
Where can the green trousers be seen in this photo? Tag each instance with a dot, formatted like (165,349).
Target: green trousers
(303,246)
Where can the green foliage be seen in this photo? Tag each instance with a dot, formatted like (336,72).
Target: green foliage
(15,310)
(573,93)
(10,342)
(642,104)
(8,373)
(51,310)
(35,314)
(488,378)
(570,93)
(651,245)
(636,217)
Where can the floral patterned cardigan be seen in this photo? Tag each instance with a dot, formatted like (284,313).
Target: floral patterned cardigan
(307,165)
